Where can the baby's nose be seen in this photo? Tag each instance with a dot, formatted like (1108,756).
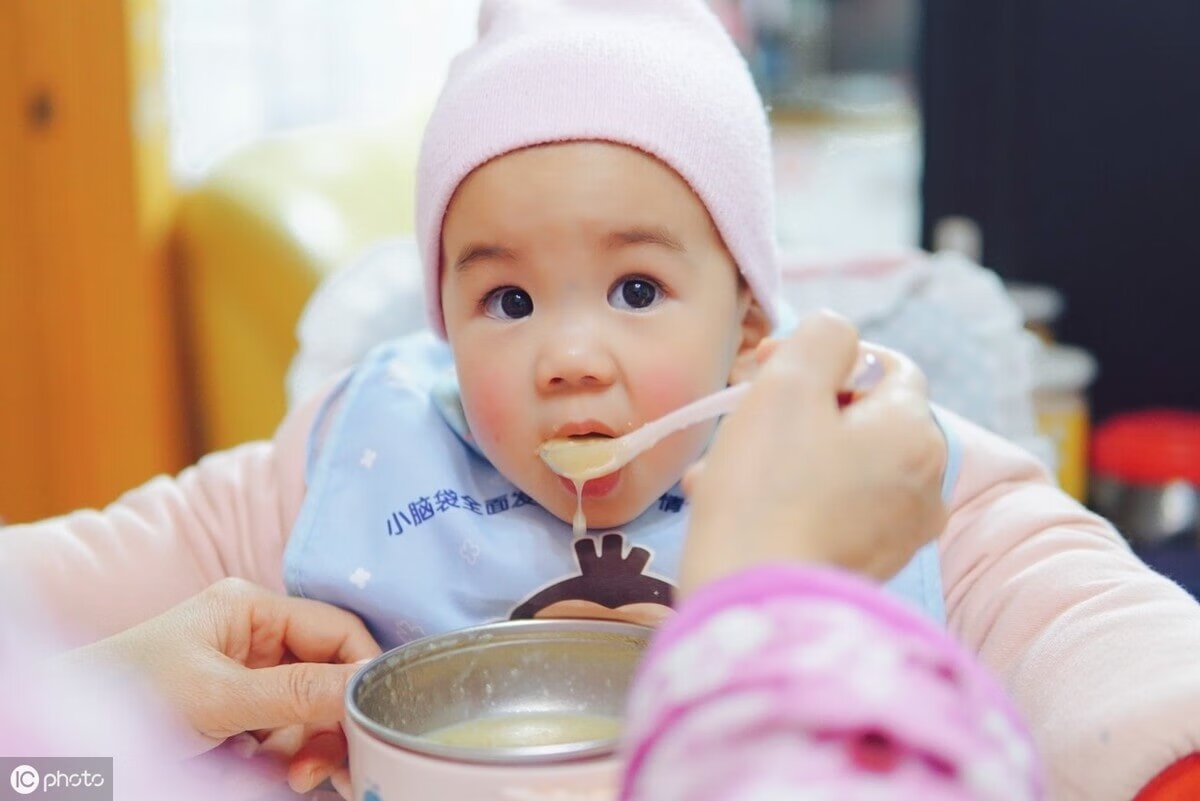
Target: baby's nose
(574,361)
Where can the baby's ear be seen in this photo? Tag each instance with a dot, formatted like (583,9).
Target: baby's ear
(755,328)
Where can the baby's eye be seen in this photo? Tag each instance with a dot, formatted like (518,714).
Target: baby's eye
(508,303)
(635,293)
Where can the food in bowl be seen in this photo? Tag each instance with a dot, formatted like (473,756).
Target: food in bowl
(528,729)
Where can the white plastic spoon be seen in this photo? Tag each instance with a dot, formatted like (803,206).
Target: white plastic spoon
(583,458)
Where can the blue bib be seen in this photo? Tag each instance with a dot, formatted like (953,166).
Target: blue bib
(408,526)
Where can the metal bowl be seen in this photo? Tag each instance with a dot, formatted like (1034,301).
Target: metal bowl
(535,667)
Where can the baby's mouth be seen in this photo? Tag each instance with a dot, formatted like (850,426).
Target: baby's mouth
(578,452)
(582,429)
(581,455)
(588,437)
(596,487)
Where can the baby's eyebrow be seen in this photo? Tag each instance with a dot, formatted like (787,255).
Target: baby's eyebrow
(477,252)
(644,236)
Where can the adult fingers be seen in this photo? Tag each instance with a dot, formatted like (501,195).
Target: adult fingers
(811,365)
(305,692)
(260,628)
(690,476)
(317,760)
(341,782)
(766,348)
(900,395)
(315,631)
(281,743)
(896,370)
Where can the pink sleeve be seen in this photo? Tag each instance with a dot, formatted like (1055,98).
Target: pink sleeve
(782,680)
(1100,653)
(98,572)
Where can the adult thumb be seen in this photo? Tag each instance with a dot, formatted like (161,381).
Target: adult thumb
(304,692)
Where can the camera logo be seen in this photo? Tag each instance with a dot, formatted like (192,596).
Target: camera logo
(24,779)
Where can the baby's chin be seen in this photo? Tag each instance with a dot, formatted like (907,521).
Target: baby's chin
(641,486)
(604,514)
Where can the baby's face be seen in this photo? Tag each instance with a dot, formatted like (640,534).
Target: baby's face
(585,290)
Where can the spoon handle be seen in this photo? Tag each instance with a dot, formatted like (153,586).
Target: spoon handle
(726,400)
(712,405)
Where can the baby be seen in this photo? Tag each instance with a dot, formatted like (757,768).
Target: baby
(596,226)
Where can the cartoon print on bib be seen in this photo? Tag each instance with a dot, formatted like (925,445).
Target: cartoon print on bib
(611,585)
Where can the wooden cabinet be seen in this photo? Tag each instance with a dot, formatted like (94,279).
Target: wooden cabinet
(90,401)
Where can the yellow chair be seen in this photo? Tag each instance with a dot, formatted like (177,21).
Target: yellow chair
(254,240)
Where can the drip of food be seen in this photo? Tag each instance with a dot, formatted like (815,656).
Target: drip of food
(579,521)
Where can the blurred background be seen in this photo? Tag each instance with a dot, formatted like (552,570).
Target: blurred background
(177,177)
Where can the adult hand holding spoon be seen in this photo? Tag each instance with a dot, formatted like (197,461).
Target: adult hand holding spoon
(792,476)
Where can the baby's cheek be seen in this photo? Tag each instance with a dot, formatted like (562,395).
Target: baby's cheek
(666,390)
(490,414)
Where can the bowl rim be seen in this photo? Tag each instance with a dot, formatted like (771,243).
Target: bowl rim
(457,638)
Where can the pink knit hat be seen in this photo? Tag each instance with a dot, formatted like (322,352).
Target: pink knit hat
(658,75)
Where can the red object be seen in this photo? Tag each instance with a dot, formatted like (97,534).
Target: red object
(1180,782)
(1151,447)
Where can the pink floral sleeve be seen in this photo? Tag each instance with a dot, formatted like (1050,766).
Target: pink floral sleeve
(804,683)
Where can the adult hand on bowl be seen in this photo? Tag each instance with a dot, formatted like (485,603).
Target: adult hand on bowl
(238,658)
(791,476)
